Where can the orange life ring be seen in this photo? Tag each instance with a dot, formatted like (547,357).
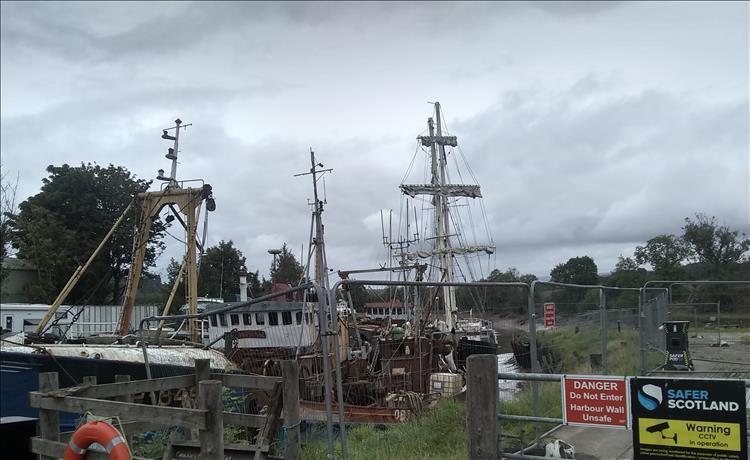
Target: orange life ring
(97,432)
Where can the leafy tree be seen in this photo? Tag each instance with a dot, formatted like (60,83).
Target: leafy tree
(714,245)
(59,228)
(286,269)
(494,298)
(665,253)
(173,269)
(628,273)
(359,296)
(221,267)
(577,270)
(255,284)
(8,190)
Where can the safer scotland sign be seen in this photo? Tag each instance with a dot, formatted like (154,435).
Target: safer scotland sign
(688,419)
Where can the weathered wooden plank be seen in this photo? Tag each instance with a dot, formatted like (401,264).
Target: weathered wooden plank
(166,415)
(49,420)
(481,407)
(120,378)
(110,390)
(260,382)
(212,437)
(290,371)
(130,428)
(268,432)
(234,418)
(56,450)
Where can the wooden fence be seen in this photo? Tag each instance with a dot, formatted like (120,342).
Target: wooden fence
(208,418)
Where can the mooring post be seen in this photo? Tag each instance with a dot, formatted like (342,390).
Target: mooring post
(212,438)
(290,372)
(89,380)
(481,414)
(49,420)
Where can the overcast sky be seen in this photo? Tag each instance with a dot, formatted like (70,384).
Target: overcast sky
(591,127)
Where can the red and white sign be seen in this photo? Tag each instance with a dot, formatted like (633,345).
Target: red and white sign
(595,401)
(549,315)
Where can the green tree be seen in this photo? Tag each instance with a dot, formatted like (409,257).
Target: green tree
(628,273)
(720,249)
(665,253)
(499,297)
(255,284)
(8,190)
(173,270)
(577,270)
(221,267)
(59,228)
(286,269)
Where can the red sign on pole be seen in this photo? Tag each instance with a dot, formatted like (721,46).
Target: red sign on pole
(549,315)
(595,401)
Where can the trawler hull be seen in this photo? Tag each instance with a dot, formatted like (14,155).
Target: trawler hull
(316,411)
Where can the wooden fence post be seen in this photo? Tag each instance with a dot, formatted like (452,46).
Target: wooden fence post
(481,407)
(202,372)
(212,438)
(290,372)
(49,420)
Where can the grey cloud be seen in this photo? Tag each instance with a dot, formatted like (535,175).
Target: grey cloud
(573,169)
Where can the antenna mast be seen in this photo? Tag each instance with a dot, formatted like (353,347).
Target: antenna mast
(321,267)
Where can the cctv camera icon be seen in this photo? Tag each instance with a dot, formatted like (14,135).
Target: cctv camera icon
(661,428)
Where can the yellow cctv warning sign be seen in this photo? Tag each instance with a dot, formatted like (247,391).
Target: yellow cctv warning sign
(688,419)
(691,434)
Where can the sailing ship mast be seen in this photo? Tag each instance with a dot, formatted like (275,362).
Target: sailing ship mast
(441,191)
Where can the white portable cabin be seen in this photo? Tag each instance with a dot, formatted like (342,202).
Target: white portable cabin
(94,320)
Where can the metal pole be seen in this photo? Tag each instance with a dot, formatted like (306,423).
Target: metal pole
(173,172)
(641,336)
(533,356)
(339,390)
(323,328)
(718,320)
(603,333)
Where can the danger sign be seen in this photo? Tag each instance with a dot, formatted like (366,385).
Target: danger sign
(549,315)
(595,401)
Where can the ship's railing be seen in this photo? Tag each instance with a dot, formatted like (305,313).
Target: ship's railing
(209,418)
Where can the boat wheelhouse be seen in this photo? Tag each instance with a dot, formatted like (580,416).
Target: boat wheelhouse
(269,324)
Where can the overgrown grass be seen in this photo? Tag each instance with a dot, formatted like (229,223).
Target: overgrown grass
(438,434)
(441,433)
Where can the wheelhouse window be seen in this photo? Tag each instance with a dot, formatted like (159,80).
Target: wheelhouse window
(286,317)
(223,320)
(298,317)
(234,319)
(260,319)
(273,318)
(247,319)
(308,317)
(214,323)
